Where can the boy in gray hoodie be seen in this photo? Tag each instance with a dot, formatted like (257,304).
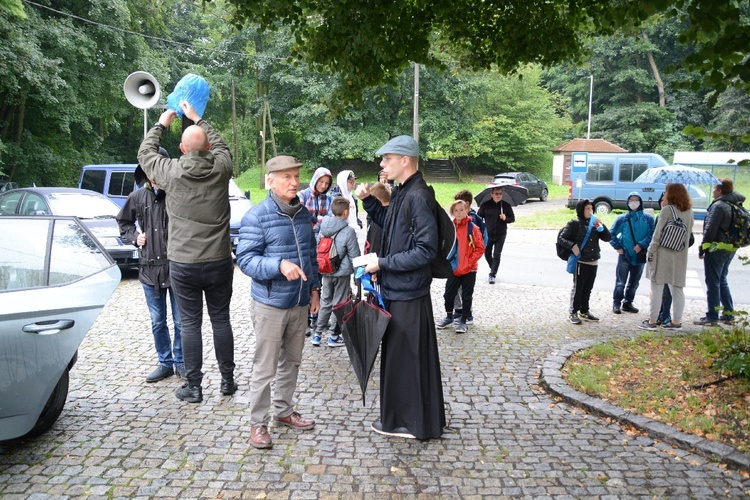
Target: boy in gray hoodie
(335,287)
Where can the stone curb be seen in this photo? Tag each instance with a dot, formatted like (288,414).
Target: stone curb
(552,380)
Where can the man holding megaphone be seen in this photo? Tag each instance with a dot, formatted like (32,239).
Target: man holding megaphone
(199,251)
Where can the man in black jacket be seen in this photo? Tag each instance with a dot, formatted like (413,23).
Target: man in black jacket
(147,208)
(411,391)
(716,262)
(497,214)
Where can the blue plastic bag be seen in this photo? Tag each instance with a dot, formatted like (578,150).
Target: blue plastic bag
(367,285)
(572,264)
(193,89)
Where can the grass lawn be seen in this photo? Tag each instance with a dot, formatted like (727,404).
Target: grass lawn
(668,379)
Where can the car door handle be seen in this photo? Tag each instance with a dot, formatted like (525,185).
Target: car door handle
(49,327)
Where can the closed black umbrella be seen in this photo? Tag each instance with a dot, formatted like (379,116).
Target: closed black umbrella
(363,325)
(514,195)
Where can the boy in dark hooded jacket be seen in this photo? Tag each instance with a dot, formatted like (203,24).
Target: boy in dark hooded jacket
(588,258)
(632,233)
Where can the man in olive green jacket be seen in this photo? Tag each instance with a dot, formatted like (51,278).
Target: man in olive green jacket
(199,252)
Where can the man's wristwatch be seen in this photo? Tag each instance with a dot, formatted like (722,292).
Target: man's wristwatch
(162,127)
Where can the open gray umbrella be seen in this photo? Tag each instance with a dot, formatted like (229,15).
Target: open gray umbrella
(515,195)
(677,174)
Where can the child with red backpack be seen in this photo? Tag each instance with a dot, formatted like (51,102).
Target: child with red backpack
(464,259)
(337,247)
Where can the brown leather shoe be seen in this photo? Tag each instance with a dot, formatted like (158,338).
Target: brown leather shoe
(260,438)
(295,421)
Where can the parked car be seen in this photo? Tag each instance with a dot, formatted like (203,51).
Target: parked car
(95,210)
(537,188)
(55,278)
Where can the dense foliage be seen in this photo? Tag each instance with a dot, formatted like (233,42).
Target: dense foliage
(63,64)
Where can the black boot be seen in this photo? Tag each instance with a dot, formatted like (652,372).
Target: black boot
(190,393)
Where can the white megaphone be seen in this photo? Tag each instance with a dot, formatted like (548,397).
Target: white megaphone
(142,90)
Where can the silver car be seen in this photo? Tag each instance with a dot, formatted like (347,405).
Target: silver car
(55,278)
(95,210)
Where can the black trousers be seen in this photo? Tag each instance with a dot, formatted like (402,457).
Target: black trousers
(493,251)
(190,282)
(583,283)
(466,284)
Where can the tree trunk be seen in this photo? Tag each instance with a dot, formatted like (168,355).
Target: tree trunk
(655,70)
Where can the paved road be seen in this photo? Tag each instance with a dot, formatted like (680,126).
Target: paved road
(120,437)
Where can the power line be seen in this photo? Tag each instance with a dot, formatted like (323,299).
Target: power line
(131,32)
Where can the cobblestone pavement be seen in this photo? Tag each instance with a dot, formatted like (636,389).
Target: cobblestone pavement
(119,437)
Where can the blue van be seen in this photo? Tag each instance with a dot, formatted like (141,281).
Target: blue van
(115,182)
(610,178)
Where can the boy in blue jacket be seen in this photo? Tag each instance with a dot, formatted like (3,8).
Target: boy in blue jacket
(631,236)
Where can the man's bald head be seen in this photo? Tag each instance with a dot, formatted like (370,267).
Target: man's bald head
(194,138)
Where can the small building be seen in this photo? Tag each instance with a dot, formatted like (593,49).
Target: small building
(562,154)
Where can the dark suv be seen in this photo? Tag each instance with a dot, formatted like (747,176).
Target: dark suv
(537,187)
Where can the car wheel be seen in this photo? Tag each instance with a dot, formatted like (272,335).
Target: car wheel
(543,196)
(53,408)
(602,207)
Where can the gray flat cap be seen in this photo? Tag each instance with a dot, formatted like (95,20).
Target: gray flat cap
(279,163)
(401,145)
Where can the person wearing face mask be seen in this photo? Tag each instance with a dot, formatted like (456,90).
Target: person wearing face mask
(581,236)
(143,223)
(631,236)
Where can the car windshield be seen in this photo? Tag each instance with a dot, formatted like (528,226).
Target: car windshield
(234,190)
(82,205)
(504,179)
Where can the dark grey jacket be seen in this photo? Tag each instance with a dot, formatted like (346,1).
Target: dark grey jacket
(149,211)
(406,255)
(719,218)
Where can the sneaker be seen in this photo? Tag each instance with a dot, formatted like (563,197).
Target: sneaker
(646,325)
(228,386)
(628,307)
(616,310)
(447,321)
(574,318)
(397,432)
(470,320)
(661,321)
(671,326)
(456,319)
(588,316)
(491,279)
(160,373)
(727,320)
(190,393)
(706,322)
(181,371)
(315,340)
(461,328)
(337,341)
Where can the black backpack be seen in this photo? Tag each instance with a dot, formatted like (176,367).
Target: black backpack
(562,252)
(440,266)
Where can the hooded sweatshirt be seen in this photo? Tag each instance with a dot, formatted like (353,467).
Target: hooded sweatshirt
(642,229)
(318,204)
(343,190)
(575,231)
(345,241)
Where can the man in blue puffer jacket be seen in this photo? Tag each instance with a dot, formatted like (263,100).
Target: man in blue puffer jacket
(631,235)
(277,250)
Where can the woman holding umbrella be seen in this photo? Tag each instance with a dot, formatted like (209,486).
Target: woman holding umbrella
(497,214)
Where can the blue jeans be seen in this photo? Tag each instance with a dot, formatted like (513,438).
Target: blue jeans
(169,354)
(627,278)
(190,282)
(716,267)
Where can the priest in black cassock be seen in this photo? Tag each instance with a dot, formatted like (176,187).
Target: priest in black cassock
(411,390)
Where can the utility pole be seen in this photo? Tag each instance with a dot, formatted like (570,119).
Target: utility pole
(415,129)
(234,131)
(272,141)
(591,96)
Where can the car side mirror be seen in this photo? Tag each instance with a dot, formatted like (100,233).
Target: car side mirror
(247,194)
